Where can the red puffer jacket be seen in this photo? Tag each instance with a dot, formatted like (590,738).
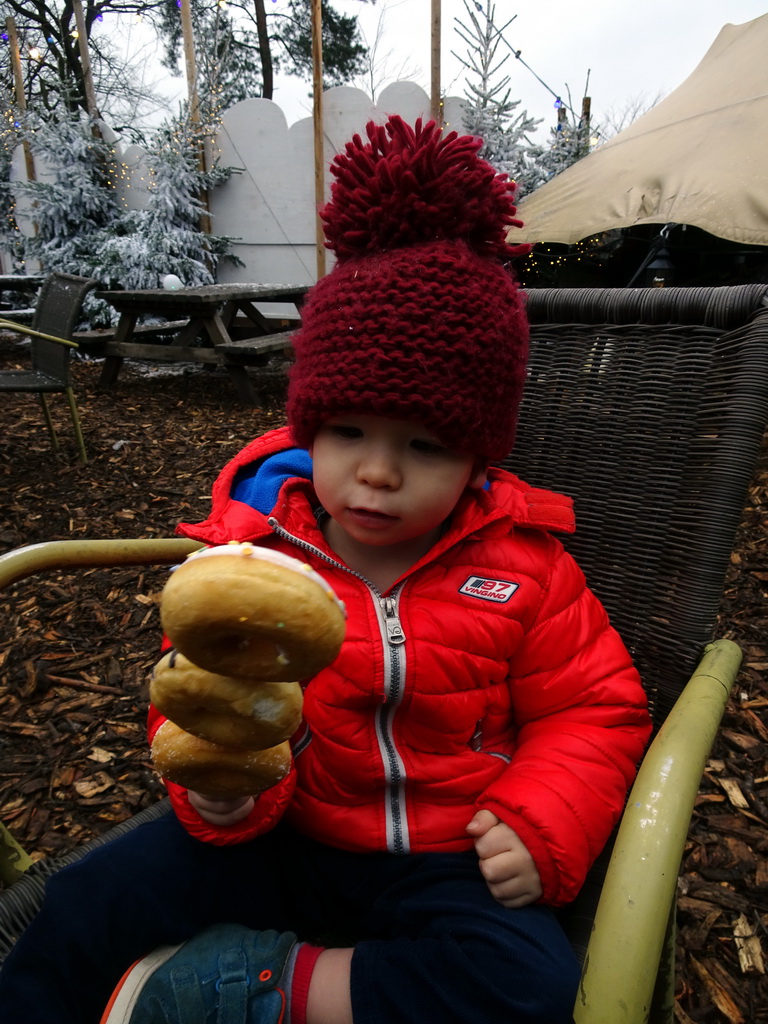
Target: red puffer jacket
(486,677)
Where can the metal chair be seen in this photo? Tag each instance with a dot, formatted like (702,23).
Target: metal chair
(649,407)
(56,316)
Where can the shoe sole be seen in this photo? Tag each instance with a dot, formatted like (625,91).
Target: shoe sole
(123,1000)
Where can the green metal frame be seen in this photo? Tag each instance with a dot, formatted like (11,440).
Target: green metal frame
(92,554)
(12,325)
(14,859)
(628,975)
(637,902)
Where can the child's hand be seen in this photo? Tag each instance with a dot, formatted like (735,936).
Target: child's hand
(220,812)
(505,863)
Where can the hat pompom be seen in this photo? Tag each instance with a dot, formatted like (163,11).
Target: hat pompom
(408,186)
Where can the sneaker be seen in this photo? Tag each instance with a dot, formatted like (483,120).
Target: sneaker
(227,973)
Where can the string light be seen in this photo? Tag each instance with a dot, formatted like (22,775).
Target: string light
(543,261)
(35,54)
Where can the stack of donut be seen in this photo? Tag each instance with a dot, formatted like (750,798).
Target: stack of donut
(246,623)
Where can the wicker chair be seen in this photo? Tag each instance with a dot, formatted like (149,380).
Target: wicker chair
(649,407)
(56,316)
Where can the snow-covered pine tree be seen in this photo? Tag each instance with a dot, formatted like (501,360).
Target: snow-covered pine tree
(569,141)
(74,199)
(165,237)
(84,229)
(489,111)
(11,239)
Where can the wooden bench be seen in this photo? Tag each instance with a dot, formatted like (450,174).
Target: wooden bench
(235,356)
(93,342)
(254,350)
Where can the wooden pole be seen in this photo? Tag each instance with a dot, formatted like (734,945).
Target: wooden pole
(21,102)
(436,105)
(586,116)
(189,61)
(85,62)
(18,73)
(21,99)
(194,101)
(317,118)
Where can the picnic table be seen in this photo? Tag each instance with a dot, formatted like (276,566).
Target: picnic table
(218,324)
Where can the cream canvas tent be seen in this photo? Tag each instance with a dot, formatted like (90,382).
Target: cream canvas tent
(699,157)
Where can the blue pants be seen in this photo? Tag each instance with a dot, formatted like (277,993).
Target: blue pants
(431,944)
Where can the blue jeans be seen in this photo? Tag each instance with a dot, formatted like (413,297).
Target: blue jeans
(431,943)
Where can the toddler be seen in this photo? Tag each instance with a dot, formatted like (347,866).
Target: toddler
(463,761)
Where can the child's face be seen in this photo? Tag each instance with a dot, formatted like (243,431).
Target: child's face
(388,482)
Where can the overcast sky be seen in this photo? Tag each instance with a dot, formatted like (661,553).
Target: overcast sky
(630,52)
(629,49)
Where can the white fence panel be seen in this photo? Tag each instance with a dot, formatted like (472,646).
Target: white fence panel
(268,207)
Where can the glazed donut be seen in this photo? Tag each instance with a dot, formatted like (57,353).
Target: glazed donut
(222,709)
(252,612)
(223,773)
(242,619)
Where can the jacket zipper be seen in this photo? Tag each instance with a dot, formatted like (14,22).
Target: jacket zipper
(398,837)
(393,638)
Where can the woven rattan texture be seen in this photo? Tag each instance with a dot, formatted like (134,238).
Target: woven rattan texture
(20,902)
(653,428)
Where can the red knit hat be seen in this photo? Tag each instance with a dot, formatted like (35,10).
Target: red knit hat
(420,318)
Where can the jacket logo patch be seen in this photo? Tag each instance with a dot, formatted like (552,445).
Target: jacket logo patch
(499,591)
